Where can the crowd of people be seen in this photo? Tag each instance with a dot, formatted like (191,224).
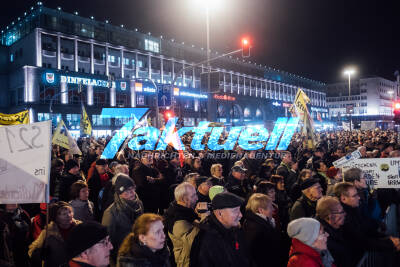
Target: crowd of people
(206,208)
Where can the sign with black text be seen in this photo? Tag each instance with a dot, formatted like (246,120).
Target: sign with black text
(25,163)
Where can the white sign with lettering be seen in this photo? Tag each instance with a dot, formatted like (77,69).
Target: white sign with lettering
(380,173)
(25,163)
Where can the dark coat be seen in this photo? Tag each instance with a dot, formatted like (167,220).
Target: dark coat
(119,218)
(216,246)
(340,247)
(361,234)
(264,242)
(95,186)
(303,207)
(133,254)
(237,187)
(289,176)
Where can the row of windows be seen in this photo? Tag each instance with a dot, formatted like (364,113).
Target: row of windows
(345,98)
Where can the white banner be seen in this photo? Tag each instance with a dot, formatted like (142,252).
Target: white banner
(25,163)
(349,157)
(380,173)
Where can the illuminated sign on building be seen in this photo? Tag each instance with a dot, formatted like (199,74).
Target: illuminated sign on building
(319,109)
(123,86)
(83,81)
(178,92)
(276,104)
(286,105)
(224,97)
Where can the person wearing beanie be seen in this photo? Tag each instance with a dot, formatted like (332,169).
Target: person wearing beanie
(88,245)
(306,204)
(71,176)
(121,215)
(216,189)
(203,185)
(309,244)
(50,245)
(237,182)
(220,241)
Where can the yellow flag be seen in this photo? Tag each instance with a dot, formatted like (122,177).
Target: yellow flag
(14,119)
(300,108)
(63,138)
(86,126)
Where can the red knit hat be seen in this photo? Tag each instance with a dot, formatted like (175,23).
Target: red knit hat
(331,172)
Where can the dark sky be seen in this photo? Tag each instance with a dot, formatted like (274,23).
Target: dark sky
(312,38)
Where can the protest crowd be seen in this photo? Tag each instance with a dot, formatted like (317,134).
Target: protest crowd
(207,208)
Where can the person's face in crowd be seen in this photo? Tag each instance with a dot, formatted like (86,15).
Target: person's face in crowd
(197,164)
(99,254)
(267,211)
(287,158)
(10,208)
(280,185)
(155,237)
(295,166)
(338,176)
(362,183)
(238,175)
(64,217)
(272,194)
(337,216)
(322,167)
(191,198)
(84,194)
(322,239)
(147,160)
(352,198)
(101,169)
(99,151)
(218,171)
(314,192)
(271,164)
(74,170)
(229,217)
(129,193)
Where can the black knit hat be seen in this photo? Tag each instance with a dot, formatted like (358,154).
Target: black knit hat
(71,163)
(101,162)
(84,236)
(122,183)
(308,183)
(201,179)
(226,200)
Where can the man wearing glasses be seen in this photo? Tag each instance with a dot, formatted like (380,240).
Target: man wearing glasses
(89,245)
(356,228)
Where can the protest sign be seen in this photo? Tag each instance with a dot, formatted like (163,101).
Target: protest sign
(349,157)
(380,173)
(25,163)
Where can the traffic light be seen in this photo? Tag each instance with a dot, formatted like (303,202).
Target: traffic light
(396,112)
(245,47)
(167,115)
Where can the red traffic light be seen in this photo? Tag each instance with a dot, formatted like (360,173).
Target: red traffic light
(168,114)
(245,47)
(397,105)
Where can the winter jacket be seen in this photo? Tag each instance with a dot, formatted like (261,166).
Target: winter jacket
(50,247)
(340,247)
(301,255)
(303,207)
(238,187)
(217,246)
(83,210)
(64,189)
(132,254)
(289,176)
(263,241)
(179,222)
(78,264)
(119,218)
(361,233)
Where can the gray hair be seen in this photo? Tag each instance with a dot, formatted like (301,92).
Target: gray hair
(352,175)
(182,190)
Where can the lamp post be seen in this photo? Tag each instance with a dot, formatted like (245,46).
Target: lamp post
(349,72)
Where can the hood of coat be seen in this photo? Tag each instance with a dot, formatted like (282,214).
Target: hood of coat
(178,212)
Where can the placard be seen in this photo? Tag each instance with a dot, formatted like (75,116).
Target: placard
(25,163)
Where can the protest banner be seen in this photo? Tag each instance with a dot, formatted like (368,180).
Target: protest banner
(349,157)
(380,173)
(25,163)
(14,119)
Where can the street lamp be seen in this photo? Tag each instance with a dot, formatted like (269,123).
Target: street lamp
(349,72)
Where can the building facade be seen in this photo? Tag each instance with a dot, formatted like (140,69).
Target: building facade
(52,60)
(371,99)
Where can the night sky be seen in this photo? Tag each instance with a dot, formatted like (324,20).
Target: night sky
(312,38)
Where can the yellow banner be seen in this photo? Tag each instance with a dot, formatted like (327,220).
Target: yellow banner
(60,136)
(86,126)
(14,119)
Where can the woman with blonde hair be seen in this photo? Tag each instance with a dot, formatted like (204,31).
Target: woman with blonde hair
(216,175)
(145,245)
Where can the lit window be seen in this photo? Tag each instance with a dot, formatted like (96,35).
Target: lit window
(11,57)
(151,46)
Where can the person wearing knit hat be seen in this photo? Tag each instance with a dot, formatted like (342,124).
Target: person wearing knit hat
(70,164)
(88,244)
(203,184)
(120,216)
(305,206)
(216,189)
(309,244)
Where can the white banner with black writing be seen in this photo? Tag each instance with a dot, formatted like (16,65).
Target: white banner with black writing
(25,163)
(380,173)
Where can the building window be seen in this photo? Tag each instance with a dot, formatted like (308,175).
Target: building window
(11,57)
(152,46)
(99,121)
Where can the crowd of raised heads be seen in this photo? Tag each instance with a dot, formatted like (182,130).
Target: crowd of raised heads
(207,208)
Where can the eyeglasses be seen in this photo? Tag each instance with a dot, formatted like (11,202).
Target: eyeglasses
(105,242)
